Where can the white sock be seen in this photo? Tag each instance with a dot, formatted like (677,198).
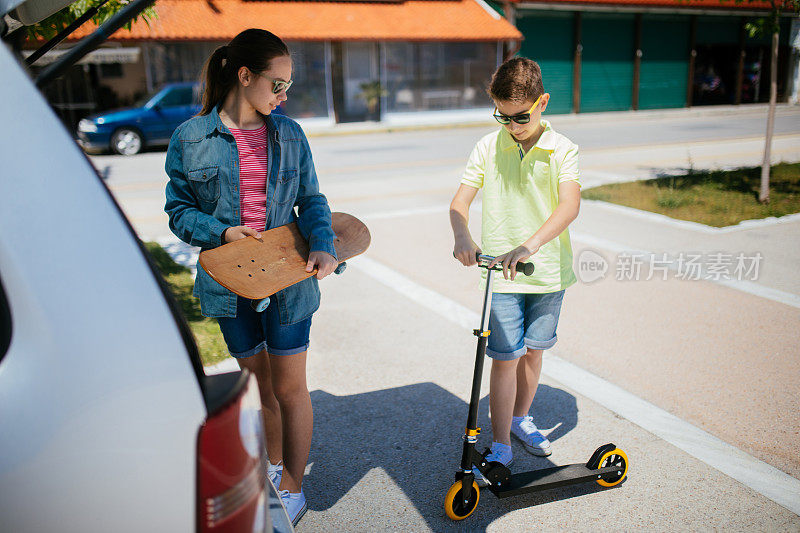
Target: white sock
(499,447)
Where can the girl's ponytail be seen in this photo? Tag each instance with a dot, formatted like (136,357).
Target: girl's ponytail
(216,84)
(252,48)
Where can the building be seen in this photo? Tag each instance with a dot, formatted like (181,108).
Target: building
(611,55)
(426,54)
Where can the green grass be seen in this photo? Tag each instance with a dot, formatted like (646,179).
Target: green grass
(715,198)
(205,330)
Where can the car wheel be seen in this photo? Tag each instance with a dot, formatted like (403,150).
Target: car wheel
(126,141)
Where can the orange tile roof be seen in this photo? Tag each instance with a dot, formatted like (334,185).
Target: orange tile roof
(674,4)
(413,20)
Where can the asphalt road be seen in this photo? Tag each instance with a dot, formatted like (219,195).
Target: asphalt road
(696,380)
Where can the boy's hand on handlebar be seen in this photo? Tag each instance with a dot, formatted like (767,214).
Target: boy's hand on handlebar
(509,260)
(235,233)
(466,251)
(324,262)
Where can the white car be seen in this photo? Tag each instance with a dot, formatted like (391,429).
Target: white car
(107,420)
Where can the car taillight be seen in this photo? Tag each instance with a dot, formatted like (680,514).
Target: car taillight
(232,466)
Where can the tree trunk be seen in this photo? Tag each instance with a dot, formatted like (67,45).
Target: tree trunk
(763,195)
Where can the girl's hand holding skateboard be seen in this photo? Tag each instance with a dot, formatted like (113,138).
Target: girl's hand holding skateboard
(235,233)
(466,251)
(324,262)
(509,260)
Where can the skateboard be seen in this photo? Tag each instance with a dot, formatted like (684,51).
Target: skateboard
(258,268)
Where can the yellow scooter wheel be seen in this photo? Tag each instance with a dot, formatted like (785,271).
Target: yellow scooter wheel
(615,457)
(455,506)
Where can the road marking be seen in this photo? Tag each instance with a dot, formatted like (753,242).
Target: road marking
(443,209)
(765,479)
(673,263)
(745,286)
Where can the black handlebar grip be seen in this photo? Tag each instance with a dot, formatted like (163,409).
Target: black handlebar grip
(525,268)
(484,260)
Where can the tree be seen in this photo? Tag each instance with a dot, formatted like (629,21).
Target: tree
(764,26)
(52,25)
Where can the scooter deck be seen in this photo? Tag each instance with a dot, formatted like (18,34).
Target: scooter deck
(550,478)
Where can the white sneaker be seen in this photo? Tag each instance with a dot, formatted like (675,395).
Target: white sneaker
(275,472)
(527,432)
(295,504)
(500,453)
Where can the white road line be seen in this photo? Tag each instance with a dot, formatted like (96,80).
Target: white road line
(673,264)
(745,286)
(772,483)
(444,209)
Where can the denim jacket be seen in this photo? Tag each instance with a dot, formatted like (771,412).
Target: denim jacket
(203,200)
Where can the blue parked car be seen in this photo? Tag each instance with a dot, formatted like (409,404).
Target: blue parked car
(151,122)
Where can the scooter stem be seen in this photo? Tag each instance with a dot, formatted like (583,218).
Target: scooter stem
(482,333)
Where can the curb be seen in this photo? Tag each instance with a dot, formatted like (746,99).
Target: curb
(436,120)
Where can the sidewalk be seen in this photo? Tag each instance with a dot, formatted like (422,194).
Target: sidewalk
(386,368)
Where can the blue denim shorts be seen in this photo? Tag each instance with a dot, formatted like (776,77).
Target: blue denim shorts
(520,321)
(250,332)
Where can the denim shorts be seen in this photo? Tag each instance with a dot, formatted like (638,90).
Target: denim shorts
(250,332)
(520,321)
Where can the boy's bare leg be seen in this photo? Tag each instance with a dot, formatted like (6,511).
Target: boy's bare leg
(502,392)
(259,366)
(529,370)
(291,390)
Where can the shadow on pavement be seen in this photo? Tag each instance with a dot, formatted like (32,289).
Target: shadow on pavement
(413,433)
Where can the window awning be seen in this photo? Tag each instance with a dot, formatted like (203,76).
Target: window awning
(414,20)
(97,57)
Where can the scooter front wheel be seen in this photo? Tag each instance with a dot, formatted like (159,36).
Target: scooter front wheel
(455,506)
(615,457)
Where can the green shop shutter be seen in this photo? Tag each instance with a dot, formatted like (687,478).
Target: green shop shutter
(607,65)
(549,42)
(665,62)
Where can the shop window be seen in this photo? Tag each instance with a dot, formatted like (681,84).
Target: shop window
(308,96)
(432,76)
(111,70)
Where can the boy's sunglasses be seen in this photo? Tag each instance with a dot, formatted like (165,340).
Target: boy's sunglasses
(521,118)
(277,85)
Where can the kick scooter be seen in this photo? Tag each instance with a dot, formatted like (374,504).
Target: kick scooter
(607,465)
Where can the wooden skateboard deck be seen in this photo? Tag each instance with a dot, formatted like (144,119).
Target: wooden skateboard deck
(257,268)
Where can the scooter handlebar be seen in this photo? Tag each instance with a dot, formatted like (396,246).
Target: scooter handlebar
(484,260)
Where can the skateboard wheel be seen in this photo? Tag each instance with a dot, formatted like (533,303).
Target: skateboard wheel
(259,305)
(341,268)
(455,506)
(615,457)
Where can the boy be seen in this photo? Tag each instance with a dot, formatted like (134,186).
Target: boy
(531,193)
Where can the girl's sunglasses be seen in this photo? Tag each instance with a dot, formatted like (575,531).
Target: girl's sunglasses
(522,118)
(277,85)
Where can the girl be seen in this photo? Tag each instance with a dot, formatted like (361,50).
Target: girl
(236,170)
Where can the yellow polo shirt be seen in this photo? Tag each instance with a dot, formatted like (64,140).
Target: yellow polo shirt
(520,192)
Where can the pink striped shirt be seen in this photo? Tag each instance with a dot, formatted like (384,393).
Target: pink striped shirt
(252,146)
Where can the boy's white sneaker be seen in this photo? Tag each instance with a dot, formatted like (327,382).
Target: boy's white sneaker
(295,504)
(499,452)
(275,472)
(526,431)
